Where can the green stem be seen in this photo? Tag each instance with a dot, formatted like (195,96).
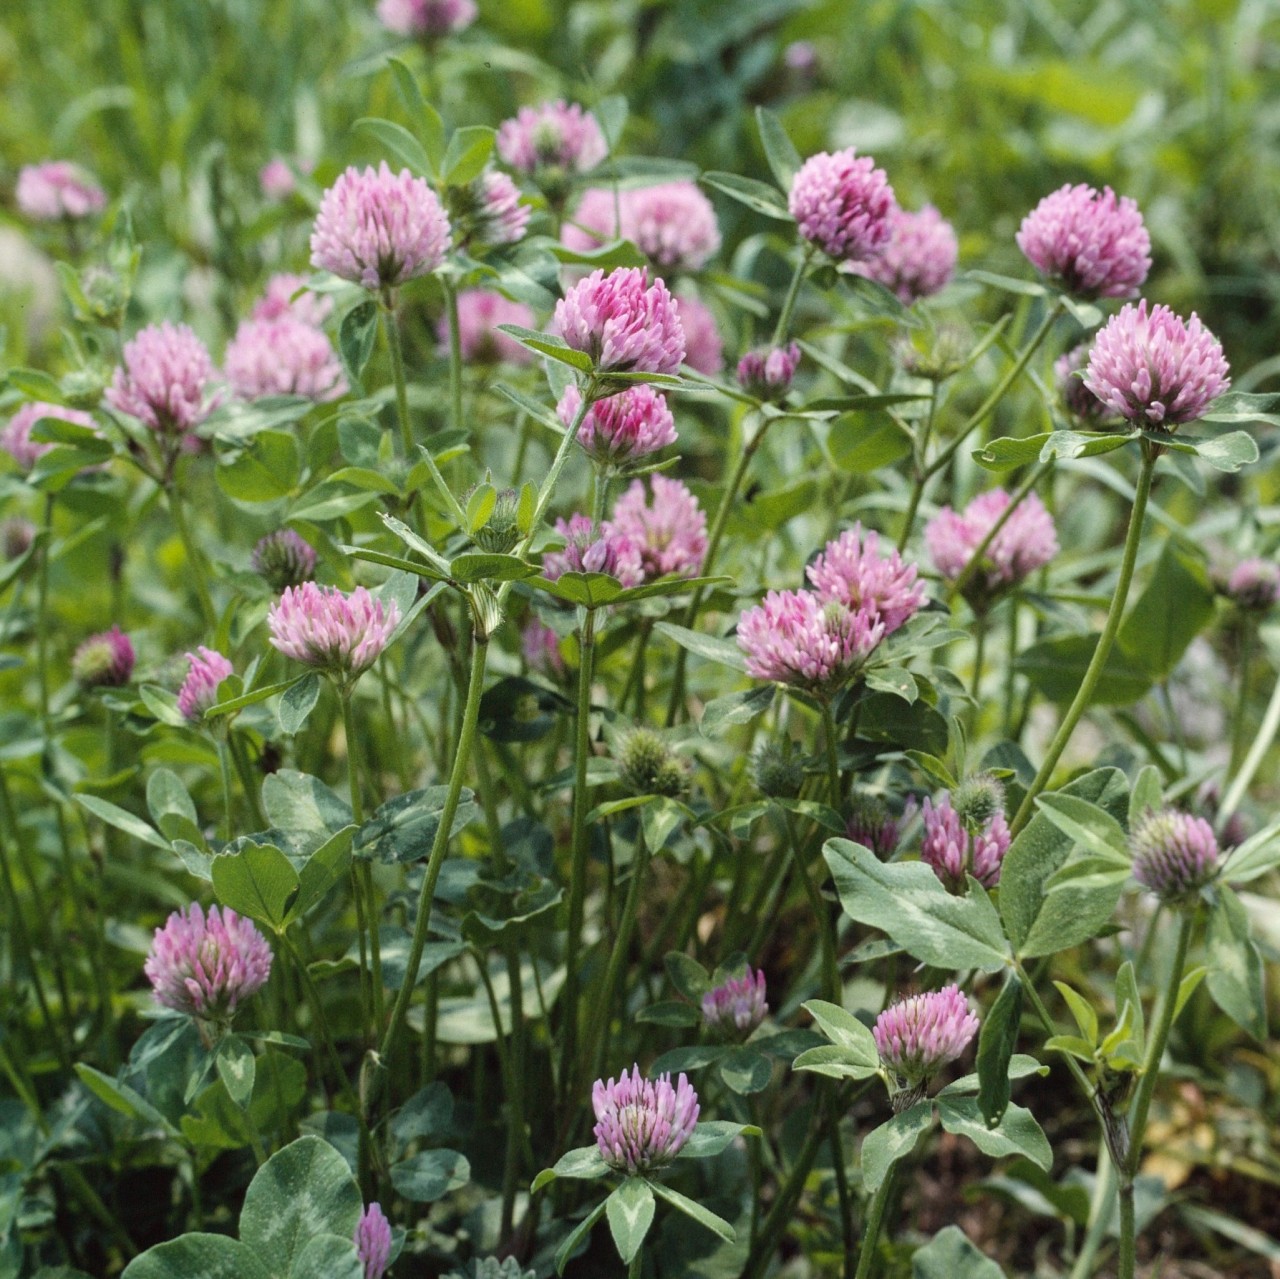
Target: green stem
(793,292)
(1103,650)
(224,772)
(822,916)
(42,626)
(455,352)
(979,651)
(1252,761)
(363,869)
(636,1267)
(920,455)
(832,754)
(1248,635)
(875,1223)
(247,783)
(199,574)
(1104,1190)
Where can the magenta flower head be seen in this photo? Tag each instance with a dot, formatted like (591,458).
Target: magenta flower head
(766,373)
(55,190)
(104,660)
(1174,853)
(623,429)
(1156,369)
(919,257)
(323,627)
(735,1008)
(16,439)
(589,549)
(276,179)
(1254,585)
(427,19)
(852,571)
(954,847)
(919,1035)
(871,824)
(672,224)
(285,356)
(283,559)
(670,532)
(624,323)
(843,204)
(557,136)
(541,648)
(379,228)
(703,345)
(594,220)
(206,966)
(208,668)
(1094,243)
(794,637)
(641,1124)
(279,301)
(373,1241)
(479,314)
(1079,401)
(166,380)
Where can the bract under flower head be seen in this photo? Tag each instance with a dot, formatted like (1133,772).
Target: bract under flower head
(642,1124)
(954,851)
(285,356)
(736,1007)
(1027,541)
(794,637)
(919,257)
(208,668)
(57,189)
(670,531)
(842,204)
(622,429)
(852,571)
(323,627)
(166,380)
(104,660)
(624,323)
(1174,853)
(919,1035)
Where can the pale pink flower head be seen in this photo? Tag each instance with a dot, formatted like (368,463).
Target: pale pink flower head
(767,372)
(1254,585)
(498,216)
(206,966)
(283,357)
(55,190)
(852,571)
(594,221)
(919,257)
(16,439)
(843,204)
(379,228)
(592,549)
(373,1241)
(703,345)
(541,648)
(624,428)
(736,1007)
(278,301)
(166,381)
(1027,541)
(277,179)
(554,136)
(325,628)
(479,314)
(641,1124)
(954,848)
(283,559)
(207,669)
(670,531)
(919,1035)
(625,324)
(672,224)
(1174,853)
(1093,242)
(427,19)
(794,637)
(104,660)
(1080,402)
(1156,369)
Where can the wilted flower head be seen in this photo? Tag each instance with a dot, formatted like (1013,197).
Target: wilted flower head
(379,228)
(919,257)
(592,549)
(919,1035)
(1174,853)
(623,322)
(794,637)
(956,848)
(1079,400)
(766,373)
(843,204)
(373,1241)
(541,648)
(624,428)
(1254,584)
(104,660)
(206,966)
(57,189)
(851,571)
(425,18)
(555,135)
(871,824)
(1025,543)
(16,439)
(736,1007)
(207,669)
(648,766)
(641,1124)
(278,301)
(670,532)
(1154,368)
(479,314)
(286,356)
(283,559)
(703,346)
(166,379)
(340,634)
(1094,242)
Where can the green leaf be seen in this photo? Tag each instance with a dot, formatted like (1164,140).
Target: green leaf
(1007,453)
(846,1031)
(259,881)
(252,698)
(123,1099)
(121,819)
(1236,975)
(950,1255)
(298,702)
(865,441)
(425,117)
(571,1241)
(430,1175)
(712,1138)
(199,1256)
(1228,452)
(1073,444)
(480,566)
(1027,288)
(301,803)
(428,1113)
(582,1164)
(468,152)
(1156,636)
(552,347)
(690,1058)
(1188,986)
(691,1208)
(668,1012)
(1258,854)
(996,1042)
(400,142)
(784,159)
(714,649)
(1017,1133)
(687,975)
(746,1071)
(236,1065)
(1234,406)
(630,1211)
(1082,1010)
(894,680)
(356,336)
(321,871)
(884,1146)
(1056,666)
(836,1062)
(736,708)
(1148,794)
(268,471)
(404,828)
(1087,825)
(328,1257)
(758,196)
(908,903)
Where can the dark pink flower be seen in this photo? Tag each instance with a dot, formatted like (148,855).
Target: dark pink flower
(426,17)
(166,380)
(479,314)
(842,204)
(622,429)
(642,1124)
(16,439)
(1174,853)
(670,531)
(919,1035)
(373,1241)
(323,627)
(767,372)
(1254,584)
(736,1007)
(623,322)
(918,258)
(589,549)
(703,345)
(852,571)
(555,135)
(283,357)
(955,851)
(794,637)
(208,668)
(1025,543)
(104,660)
(1080,402)
(278,300)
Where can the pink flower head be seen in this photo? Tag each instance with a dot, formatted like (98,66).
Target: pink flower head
(843,204)
(954,851)
(498,216)
(1094,242)
(283,357)
(767,373)
(736,1007)
(672,224)
(283,558)
(104,660)
(703,346)
(57,189)
(1174,854)
(917,1036)
(641,1124)
(541,648)
(1154,368)
(166,379)
(918,258)
(556,135)
(589,549)
(1254,584)
(1080,402)
(199,690)
(625,427)
(276,179)
(279,301)
(794,637)
(1026,542)
(373,1241)
(426,18)
(323,627)
(871,824)
(207,965)
(623,322)
(379,229)
(16,439)
(670,532)
(852,571)
(479,314)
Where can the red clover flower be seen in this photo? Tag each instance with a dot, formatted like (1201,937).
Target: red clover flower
(1174,853)
(373,1241)
(736,1007)
(919,1035)
(323,627)
(670,532)
(843,204)
(208,668)
(623,322)
(642,1124)
(104,660)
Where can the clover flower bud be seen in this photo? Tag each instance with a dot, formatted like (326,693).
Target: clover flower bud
(373,1241)
(767,373)
(871,824)
(736,1007)
(283,558)
(104,660)
(1254,585)
(501,531)
(208,668)
(1174,853)
(777,770)
(648,766)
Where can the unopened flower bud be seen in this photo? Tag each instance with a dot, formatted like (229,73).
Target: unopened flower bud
(777,771)
(283,559)
(977,800)
(104,660)
(1174,853)
(648,765)
(501,531)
